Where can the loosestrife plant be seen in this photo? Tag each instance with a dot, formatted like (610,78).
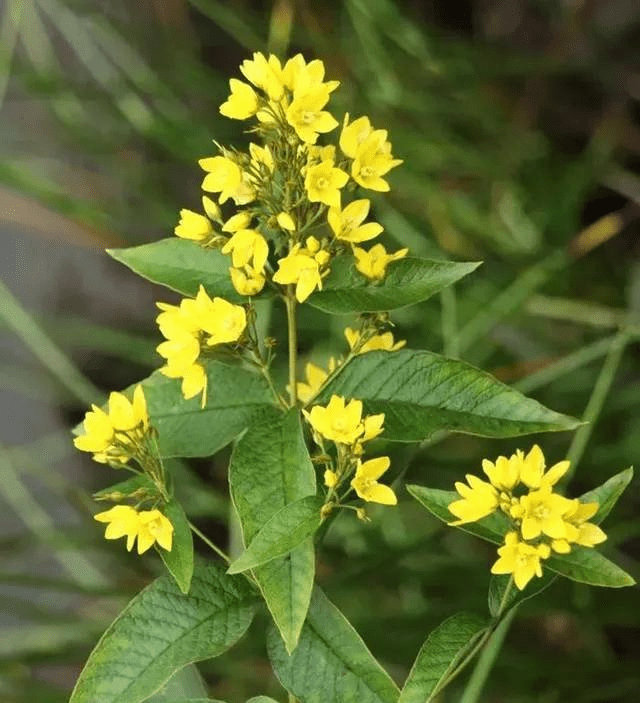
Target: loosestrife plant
(289,219)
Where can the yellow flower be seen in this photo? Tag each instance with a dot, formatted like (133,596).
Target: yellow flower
(126,415)
(384,342)
(174,321)
(123,520)
(373,426)
(223,321)
(306,116)
(245,246)
(353,134)
(242,103)
(261,157)
(347,224)
(111,435)
(323,182)
(373,263)
(301,269)
(265,74)
(98,434)
(372,161)
(286,221)
(520,559)
(579,531)
(338,421)
(505,473)
(194,379)
(154,527)
(180,351)
(315,376)
(241,220)
(247,281)
(148,526)
(224,176)
(330,478)
(532,472)
(193,226)
(478,500)
(299,77)
(365,483)
(541,512)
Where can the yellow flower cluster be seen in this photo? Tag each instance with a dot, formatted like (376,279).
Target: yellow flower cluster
(192,329)
(290,188)
(342,423)
(117,435)
(543,521)
(147,526)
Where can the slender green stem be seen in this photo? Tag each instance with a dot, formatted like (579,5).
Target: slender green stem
(209,543)
(486,660)
(597,399)
(290,301)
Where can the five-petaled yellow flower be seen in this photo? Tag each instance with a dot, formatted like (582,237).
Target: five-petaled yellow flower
(339,421)
(301,267)
(376,342)
(365,483)
(520,559)
(373,263)
(147,526)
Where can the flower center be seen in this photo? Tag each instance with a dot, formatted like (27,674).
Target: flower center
(321,183)
(307,117)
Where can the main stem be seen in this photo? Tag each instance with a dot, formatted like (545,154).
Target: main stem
(290,302)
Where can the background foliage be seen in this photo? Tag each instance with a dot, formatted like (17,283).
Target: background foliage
(518,124)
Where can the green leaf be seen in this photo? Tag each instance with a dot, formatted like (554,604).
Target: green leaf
(587,565)
(185,686)
(182,266)
(235,397)
(270,468)
(179,560)
(331,662)
(162,630)
(491,528)
(407,281)
(420,392)
(498,586)
(439,655)
(283,532)
(261,699)
(607,494)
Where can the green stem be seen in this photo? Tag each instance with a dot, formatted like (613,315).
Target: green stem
(290,302)
(209,543)
(597,399)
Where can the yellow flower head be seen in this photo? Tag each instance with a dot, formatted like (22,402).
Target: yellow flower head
(193,226)
(354,134)
(372,161)
(247,247)
(520,559)
(126,415)
(316,376)
(532,469)
(478,500)
(301,269)
(224,176)
(194,379)
(339,421)
(579,531)
(365,483)
(323,182)
(222,321)
(373,263)
(373,426)
(148,526)
(541,512)
(306,116)
(299,77)
(181,351)
(242,103)
(347,224)
(98,434)
(247,280)
(265,74)
(377,342)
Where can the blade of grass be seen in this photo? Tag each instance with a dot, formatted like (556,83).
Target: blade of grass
(48,353)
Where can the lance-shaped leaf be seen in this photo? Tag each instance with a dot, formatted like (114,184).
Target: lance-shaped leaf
(606,495)
(439,655)
(420,392)
(182,266)
(331,663)
(179,560)
(582,564)
(281,534)
(162,630)
(235,396)
(270,468)
(407,281)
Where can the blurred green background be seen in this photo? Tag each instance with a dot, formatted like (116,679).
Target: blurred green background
(519,124)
